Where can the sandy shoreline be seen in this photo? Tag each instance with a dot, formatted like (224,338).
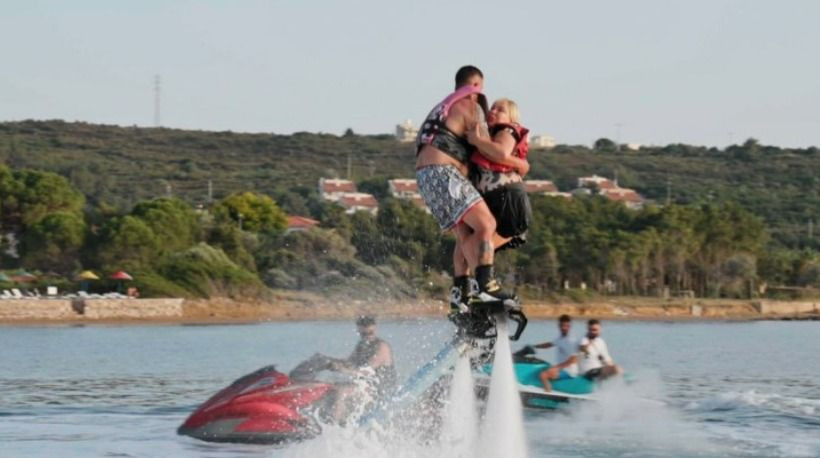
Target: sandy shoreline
(299,306)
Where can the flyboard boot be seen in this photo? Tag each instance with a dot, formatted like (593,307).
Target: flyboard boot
(482,302)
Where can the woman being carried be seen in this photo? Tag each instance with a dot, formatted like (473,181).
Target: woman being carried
(499,164)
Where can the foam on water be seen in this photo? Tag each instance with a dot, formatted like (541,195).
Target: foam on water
(624,417)
(502,433)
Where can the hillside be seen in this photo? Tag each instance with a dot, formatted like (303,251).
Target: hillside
(119,166)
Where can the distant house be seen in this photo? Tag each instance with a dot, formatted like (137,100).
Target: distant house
(406,188)
(628,196)
(542,141)
(358,201)
(609,189)
(403,188)
(334,188)
(300,223)
(596,183)
(540,186)
(406,132)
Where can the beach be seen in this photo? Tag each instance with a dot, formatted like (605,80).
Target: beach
(286,306)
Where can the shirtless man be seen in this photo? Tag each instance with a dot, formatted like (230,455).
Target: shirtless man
(443,155)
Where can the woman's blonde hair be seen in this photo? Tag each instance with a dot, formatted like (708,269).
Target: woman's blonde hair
(512,109)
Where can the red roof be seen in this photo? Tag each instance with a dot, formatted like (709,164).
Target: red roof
(358,200)
(301,222)
(606,184)
(540,186)
(404,185)
(334,185)
(622,195)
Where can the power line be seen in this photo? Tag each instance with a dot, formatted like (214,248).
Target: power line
(156,100)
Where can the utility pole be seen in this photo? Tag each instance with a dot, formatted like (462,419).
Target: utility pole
(210,191)
(156,101)
(349,166)
(618,136)
(668,191)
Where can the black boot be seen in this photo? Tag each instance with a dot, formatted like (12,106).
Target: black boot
(490,289)
(460,293)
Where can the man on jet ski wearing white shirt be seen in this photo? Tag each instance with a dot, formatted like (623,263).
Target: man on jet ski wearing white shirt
(566,350)
(595,361)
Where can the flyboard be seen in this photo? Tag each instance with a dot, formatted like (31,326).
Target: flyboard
(475,337)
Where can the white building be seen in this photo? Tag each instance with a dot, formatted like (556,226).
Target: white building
(408,189)
(406,132)
(334,188)
(542,141)
(358,201)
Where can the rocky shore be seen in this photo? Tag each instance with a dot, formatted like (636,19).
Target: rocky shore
(290,306)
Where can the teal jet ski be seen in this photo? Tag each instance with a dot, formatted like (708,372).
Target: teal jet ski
(527,369)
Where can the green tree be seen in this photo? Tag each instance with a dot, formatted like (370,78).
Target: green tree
(173,222)
(127,242)
(257,212)
(54,242)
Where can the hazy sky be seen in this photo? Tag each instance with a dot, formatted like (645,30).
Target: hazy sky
(703,72)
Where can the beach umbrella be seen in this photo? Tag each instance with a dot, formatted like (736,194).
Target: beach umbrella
(120,276)
(84,277)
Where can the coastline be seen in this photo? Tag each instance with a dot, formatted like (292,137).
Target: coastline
(287,306)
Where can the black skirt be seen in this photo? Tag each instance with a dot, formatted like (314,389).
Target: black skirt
(510,205)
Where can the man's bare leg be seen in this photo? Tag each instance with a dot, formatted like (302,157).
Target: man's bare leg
(460,290)
(479,251)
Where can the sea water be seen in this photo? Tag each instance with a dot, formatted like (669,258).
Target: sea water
(723,389)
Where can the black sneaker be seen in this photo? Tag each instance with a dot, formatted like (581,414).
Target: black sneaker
(492,292)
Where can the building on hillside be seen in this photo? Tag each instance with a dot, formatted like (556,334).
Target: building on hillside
(629,197)
(406,131)
(544,188)
(406,188)
(300,223)
(540,186)
(358,201)
(403,188)
(542,141)
(333,188)
(596,183)
(609,188)
(633,146)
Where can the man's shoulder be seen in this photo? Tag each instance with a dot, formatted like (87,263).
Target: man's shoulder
(465,105)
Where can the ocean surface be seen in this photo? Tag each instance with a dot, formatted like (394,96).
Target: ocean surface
(725,389)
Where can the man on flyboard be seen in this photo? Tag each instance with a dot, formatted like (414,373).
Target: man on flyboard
(442,168)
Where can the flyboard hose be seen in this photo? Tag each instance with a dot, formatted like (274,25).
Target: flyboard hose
(476,330)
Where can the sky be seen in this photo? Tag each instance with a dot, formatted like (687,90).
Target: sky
(710,72)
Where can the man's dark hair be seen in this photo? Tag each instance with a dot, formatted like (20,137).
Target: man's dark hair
(365,320)
(593,321)
(465,73)
(564,318)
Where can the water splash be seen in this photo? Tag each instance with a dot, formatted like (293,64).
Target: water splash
(502,434)
(461,416)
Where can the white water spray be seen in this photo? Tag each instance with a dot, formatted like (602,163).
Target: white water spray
(461,416)
(502,434)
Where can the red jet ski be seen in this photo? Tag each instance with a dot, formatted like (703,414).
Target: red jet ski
(265,407)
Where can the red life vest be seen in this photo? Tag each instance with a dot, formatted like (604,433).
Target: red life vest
(522,147)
